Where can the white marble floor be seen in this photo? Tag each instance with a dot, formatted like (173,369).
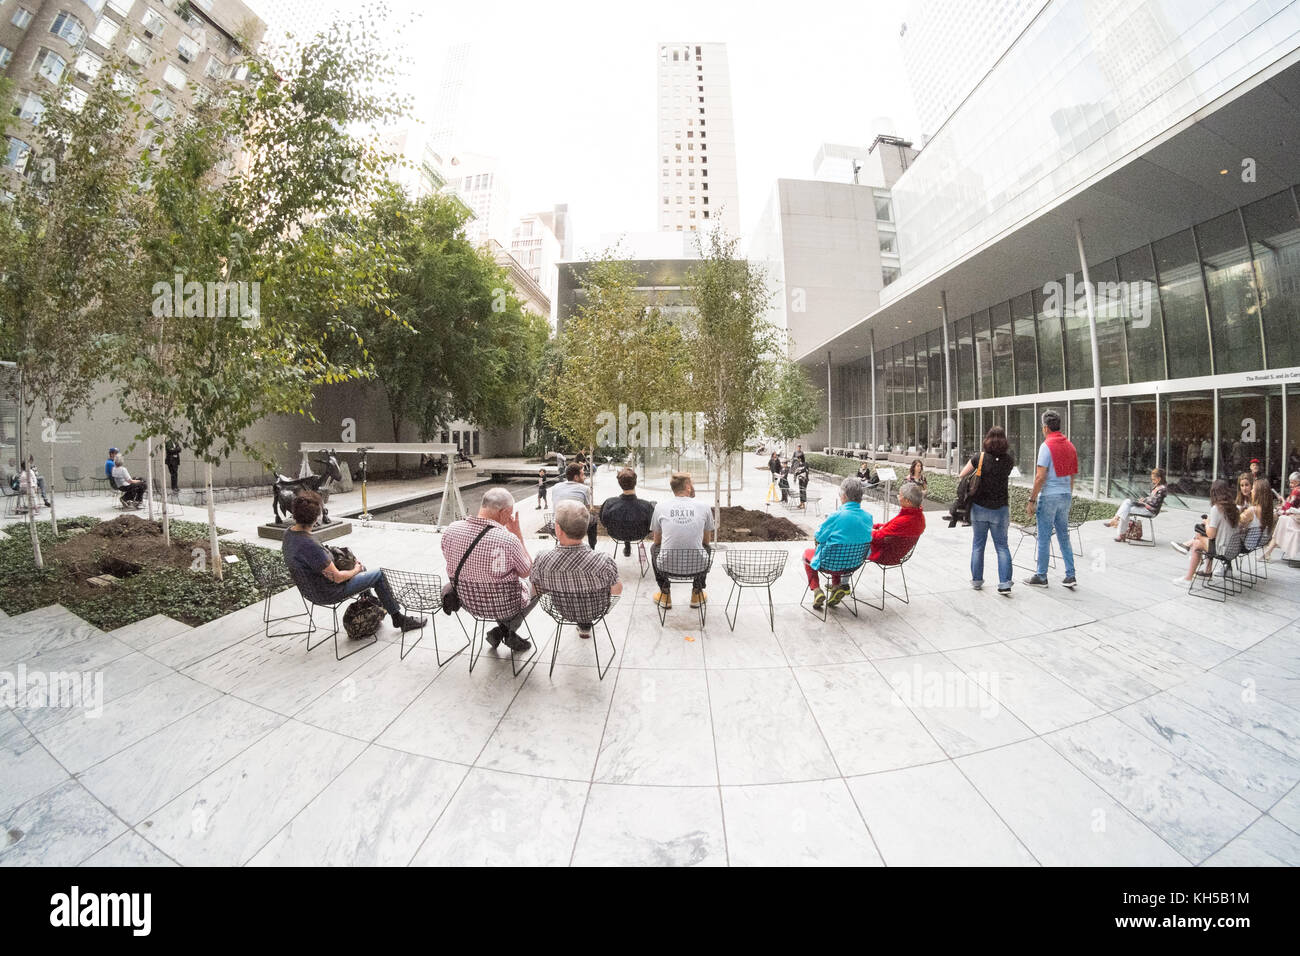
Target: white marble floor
(1122,723)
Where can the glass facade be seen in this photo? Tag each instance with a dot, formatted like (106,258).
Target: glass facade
(1218,303)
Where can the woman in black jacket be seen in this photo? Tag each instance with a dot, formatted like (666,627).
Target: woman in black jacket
(990,513)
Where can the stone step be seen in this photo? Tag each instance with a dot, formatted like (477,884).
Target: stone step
(150,631)
(25,635)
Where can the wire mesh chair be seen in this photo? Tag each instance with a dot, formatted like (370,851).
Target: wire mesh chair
(309,607)
(1227,558)
(682,564)
(753,568)
(1249,562)
(420,594)
(270,578)
(584,609)
(627,532)
(547,527)
(488,604)
(100,485)
(885,568)
(72,480)
(844,561)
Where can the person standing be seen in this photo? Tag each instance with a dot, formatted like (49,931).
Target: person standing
(172,459)
(990,510)
(783,482)
(916,474)
(802,475)
(1057,464)
(541,488)
(798,454)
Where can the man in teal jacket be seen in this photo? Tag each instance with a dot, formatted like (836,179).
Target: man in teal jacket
(849,525)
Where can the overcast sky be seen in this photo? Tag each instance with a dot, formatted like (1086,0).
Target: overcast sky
(564,92)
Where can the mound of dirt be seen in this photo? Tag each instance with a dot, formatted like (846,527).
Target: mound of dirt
(746,524)
(124,546)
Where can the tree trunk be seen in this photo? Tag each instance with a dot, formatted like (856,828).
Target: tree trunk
(31,511)
(148,473)
(213,548)
(728,481)
(54,518)
(166,512)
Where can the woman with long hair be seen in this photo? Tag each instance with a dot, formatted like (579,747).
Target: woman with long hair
(917,473)
(990,512)
(1258,517)
(1286,533)
(1223,518)
(1245,486)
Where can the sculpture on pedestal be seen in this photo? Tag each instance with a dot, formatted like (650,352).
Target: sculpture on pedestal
(285,488)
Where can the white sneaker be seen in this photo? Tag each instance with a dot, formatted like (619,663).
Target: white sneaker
(1181,583)
(1179,547)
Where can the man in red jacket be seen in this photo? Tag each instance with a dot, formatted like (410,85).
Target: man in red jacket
(893,539)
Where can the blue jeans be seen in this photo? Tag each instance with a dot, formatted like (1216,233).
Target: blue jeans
(994,521)
(1054,516)
(372,578)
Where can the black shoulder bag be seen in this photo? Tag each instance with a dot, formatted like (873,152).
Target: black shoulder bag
(450,599)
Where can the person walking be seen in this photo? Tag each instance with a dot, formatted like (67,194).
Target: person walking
(990,510)
(172,459)
(1056,466)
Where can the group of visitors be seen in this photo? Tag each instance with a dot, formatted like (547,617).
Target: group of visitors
(1248,513)
(794,469)
(120,479)
(27,480)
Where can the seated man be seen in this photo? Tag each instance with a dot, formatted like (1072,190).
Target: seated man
(573,567)
(625,515)
(312,566)
(132,488)
(849,525)
(893,539)
(497,557)
(110,463)
(19,481)
(681,524)
(574,488)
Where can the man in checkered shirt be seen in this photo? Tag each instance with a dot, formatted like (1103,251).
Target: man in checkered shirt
(499,558)
(574,569)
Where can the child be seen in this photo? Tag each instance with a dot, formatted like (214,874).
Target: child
(802,477)
(784,482)
(541,489)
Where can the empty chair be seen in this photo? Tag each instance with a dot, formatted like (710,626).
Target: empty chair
(752,568)
(419,594)
(270,577)
(72,480)
(897,564)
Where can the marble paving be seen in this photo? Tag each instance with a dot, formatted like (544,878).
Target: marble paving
(1123,723)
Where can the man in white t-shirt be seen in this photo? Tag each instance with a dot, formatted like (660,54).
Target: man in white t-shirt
(681,524)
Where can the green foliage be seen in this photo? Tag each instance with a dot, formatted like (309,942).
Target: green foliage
(793,405)
(463,345)
(614,351)
(177,592)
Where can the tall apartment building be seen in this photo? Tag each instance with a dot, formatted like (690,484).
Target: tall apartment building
(478,181)
(537,250)
(948,45)
(697,140)
(178,48)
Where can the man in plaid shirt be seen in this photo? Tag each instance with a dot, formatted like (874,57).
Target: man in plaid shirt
(500,558)
(574,569)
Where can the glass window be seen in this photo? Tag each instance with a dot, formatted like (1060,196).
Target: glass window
(173,77)
(22,16)
(68,27)
(1132,446)
(983,355)
(153,22)
(935,351)
(1024,344)
(137,52)
(16,154)
(95,5)
(1188,435)
(1145,331)
(1022,435)
(965,360)
(6,55)
(889,243)
(1114,310)
(104,32)
(1245,421)
(121,6)
(1293,434)
(30,108)
(883,211)
(888,274)
(1274,230)
(922,365)
(1182,301)
(88,65)
(1078,338)
(51,66)
(75,98)
(909,376)
(1003,371)
(1230,281)
(1082,433)
(1051,368)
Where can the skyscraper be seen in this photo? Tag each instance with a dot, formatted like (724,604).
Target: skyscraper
(697,140)
(948,46)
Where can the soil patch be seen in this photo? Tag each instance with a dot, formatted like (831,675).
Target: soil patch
(746,524)
(124,547)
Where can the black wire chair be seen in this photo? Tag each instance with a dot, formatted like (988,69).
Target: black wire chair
(752,569)
(1248,562)
(682,564)
(547,528)
(846,560)
(72,480)
(1140,513)
(626,532)
(885,568)
(421,594)
(581,609)
(270,578)
(488,604)
(1226,559)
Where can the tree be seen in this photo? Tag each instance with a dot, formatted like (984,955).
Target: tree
(614,351)
(792,406)
(67,248)
(258,198)
(731,347)
(464,347)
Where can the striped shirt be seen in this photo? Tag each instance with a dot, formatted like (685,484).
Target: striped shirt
(499,557)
